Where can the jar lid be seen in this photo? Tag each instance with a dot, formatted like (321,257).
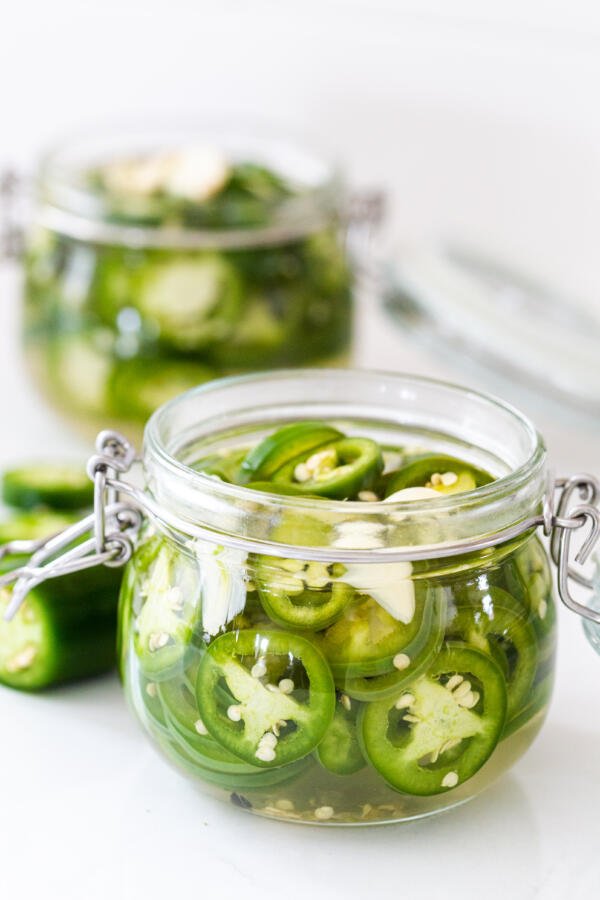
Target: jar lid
(493,316)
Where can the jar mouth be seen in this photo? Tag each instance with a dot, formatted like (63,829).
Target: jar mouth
(70,205)
(201,500)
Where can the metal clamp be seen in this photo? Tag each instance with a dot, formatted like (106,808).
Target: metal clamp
(584,492)
(113,526)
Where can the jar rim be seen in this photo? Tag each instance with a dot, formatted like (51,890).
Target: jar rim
(69,206)
(527,481)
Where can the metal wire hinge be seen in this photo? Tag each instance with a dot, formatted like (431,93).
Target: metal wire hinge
(105,537)
(577,508)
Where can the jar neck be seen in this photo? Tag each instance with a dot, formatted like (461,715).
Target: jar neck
(198,505)
(69,204)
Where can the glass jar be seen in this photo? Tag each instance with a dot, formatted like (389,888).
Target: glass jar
(154,264)
(268,717)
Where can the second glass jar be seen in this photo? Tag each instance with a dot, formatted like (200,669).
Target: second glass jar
(155,263)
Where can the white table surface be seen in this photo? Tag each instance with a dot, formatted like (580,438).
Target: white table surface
(88,810)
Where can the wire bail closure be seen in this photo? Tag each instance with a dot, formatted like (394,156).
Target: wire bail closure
(113,526)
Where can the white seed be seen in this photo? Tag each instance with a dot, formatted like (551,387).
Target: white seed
(366,808)
(401,661)
(301,473)
(234,713)
(322,813)
(368,496)
(158,641)
(413,719)
(286,685)
(265,754)
(321,463)
(462,690)
(453,682)
(151,689)
(273,688)
(469,700)
(284,805)
(22,660)
(346,702)
(404,701)
(200,727)
(449,478)
(259,669)
(450,780)
(268,740)
(436,479)
(542,609)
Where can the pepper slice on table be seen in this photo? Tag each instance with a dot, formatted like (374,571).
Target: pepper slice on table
(65,629)
(56,486)
(442,728)
(267,696)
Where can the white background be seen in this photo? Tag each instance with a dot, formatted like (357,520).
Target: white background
(481,121)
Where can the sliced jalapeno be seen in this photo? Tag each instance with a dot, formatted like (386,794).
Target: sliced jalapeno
(529,579)
(497,628)
(178,698)
(538,699)
(445,474)
(338,470)
(207,300)
(339,751)
(285,444)
(415,659)
(164,624)
(57,486)
(439,731)
(65,629)
(279,700)
(299,594)
(366,640)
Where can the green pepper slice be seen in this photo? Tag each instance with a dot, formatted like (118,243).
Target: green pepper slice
(169,595)
(178,699)
(440,731)
(498,629)
(264,723)
(421,651)
(445,474)
(538,700)
(340,751)
(285,444)
(367,640)
(337,470)
(59,486)
(64,631)
(299,594)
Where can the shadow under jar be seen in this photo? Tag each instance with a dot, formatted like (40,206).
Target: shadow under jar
(156,262)
(320,660)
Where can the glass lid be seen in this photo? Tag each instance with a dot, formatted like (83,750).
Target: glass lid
(496,318)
